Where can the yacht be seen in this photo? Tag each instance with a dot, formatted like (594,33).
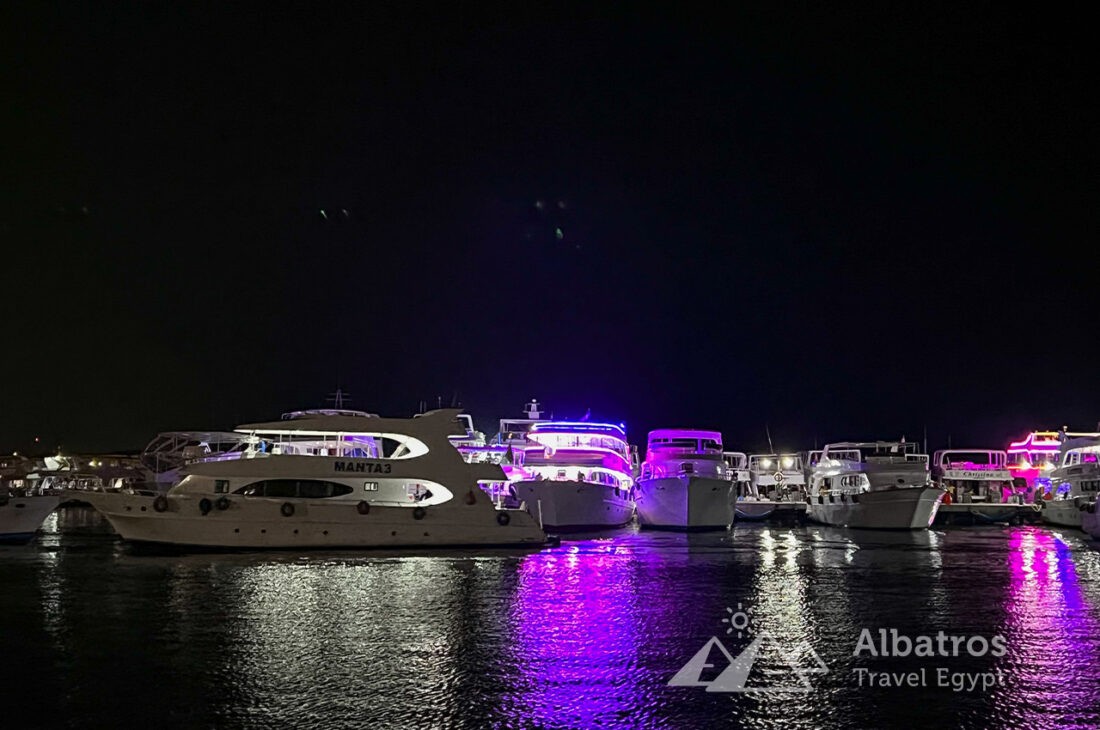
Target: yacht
(576,475)
(873,484)
(23,510)
(980,488)
(1032,458)
(1073,481)
(327,479)
(684,483)
(776,483)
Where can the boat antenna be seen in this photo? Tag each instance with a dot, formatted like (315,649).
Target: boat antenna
(926,438)
(768,431)
(339,397)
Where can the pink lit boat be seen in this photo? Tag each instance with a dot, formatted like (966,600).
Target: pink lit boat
(684,482)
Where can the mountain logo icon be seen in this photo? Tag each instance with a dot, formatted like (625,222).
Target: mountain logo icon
(786,669)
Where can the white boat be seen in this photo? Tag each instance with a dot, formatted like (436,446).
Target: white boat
(684,483)
(1073,481)
(318,479)
(576,474)
(873,484)
(980,488)
(22,512)
(775,483)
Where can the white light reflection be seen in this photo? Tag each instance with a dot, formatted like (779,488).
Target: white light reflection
(373,627)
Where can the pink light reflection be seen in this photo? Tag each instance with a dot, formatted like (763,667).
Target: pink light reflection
(1051,631)
(575,638)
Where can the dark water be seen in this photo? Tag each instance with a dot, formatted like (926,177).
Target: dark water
(585,635)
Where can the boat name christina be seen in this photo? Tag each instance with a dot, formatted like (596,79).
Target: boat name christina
(977,474)
(359,466)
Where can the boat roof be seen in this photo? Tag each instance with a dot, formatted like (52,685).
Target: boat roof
(444,420)
(578,427)
(198,436)
(314,412)
(871,445)
(1083,443)
(684,433)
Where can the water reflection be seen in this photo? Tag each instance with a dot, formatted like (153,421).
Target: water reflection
(574,642)
(1051,628)
(586,635)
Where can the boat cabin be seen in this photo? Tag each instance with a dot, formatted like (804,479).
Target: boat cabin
(674,452)
(975,475)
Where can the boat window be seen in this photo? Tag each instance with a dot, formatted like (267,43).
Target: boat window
(370,486)
(221,486)
(281,488)
(288,488)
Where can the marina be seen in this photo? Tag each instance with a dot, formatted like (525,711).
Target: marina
(812,449)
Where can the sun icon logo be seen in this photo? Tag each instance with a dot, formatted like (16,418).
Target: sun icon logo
(738,621)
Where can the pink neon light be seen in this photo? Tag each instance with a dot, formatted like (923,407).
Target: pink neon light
(1035,442)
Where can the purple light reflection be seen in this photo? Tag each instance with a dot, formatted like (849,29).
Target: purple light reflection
(1052,636)
(575,645)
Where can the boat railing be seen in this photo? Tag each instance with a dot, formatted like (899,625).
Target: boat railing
(660,451)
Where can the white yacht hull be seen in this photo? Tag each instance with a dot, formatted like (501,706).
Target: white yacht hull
(684,503)
(1090,521)
(21,517)
(900,508)
(575,505)
(1063,512)
(260,522)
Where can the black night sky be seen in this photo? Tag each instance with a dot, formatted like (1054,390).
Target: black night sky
(836,223)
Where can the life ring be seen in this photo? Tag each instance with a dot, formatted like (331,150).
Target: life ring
(503,518)
(470,498)
(160,503)
(419,512)
(779,477)
(287,509)
(363,507)
(222,503)
(204,505)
